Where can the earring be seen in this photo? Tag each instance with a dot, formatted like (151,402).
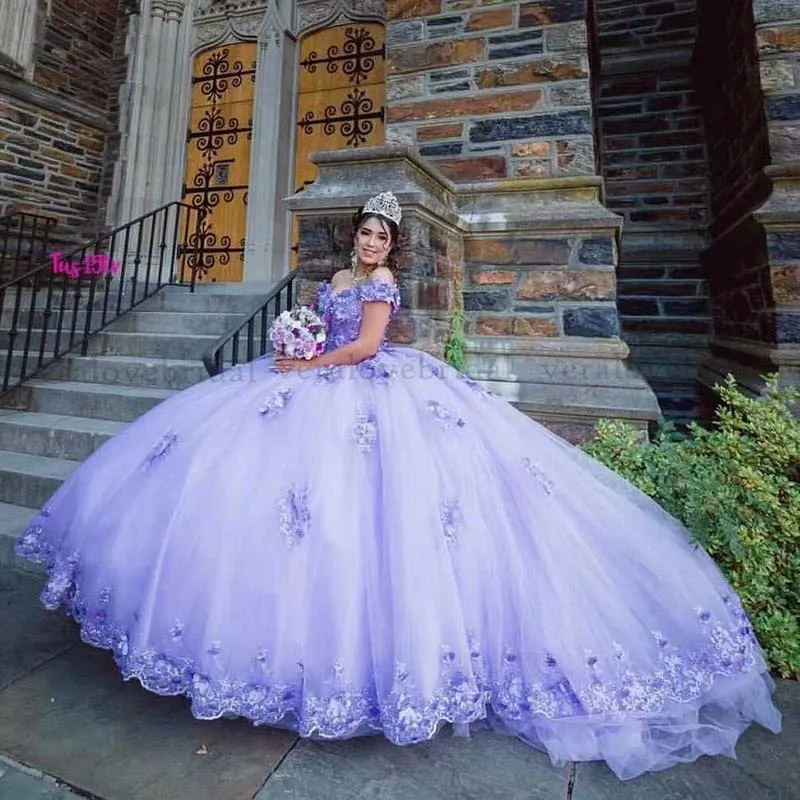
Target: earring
(353,261)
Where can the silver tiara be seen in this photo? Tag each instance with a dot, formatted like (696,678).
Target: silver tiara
(385,205)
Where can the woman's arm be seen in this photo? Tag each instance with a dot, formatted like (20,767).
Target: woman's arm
(375,318)
(373,326)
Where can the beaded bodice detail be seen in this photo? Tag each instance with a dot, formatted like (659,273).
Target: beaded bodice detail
(342,309)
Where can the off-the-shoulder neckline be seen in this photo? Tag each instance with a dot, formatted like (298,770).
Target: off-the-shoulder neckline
(356,286)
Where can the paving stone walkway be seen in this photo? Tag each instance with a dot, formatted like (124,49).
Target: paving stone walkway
(69,727)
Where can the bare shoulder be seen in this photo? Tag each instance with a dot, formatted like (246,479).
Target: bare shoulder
(339,278)
(383,274)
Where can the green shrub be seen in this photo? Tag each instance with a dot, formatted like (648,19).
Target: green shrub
(735,487)
(454,351)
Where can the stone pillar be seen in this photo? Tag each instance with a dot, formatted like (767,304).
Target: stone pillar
(179,104)
(266,249)
(751,102)
(159,94)
(18,32)
(164,107)
(140,200)
(778,38)
(541,257)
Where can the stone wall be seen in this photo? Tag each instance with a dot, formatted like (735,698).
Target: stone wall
(633,25)
(727,75)
(490,90)
(747,64)
(654,166)
(59,131)
(778,40)
(541,286)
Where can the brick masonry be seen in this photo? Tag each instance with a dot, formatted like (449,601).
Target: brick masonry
(58,134)
(541,287)
(654,165)
(727,73)
(628,25)
(778,42)
(490,90)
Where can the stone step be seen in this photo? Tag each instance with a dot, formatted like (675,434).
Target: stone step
(179,299)
(95,400)
(140,371)
(202,322)
(208,323)
(13,521)
(156,345)
(29,480)
(232,299)
(16,360)
(34,339)
(54,435)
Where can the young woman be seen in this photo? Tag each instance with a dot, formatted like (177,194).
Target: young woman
(370,542)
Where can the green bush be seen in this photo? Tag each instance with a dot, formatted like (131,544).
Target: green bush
(735,487)
(454,351)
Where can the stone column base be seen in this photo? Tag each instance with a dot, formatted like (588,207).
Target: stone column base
(749,363)
(566,385)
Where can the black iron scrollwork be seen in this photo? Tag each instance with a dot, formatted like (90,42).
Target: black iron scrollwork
(355,118)
(357,56)
(219,73)
(205,249)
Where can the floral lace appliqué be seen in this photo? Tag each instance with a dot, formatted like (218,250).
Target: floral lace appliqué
(275,402)
(365,431)
(476,387)
(450,516)
(520,689)
(160,448)
(329,374)
(295,516)
(377,369)
(343,309)
(535,470)
(448,418)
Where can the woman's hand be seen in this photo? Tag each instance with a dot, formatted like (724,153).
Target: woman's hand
(286,364)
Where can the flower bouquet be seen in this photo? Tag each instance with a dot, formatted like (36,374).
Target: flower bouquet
(298,333)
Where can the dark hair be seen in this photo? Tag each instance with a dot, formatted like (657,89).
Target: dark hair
(389,226)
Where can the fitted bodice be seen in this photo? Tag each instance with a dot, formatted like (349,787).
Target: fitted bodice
(342,310)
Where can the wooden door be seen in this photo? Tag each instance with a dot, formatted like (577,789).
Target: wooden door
(218,159)
(340,96)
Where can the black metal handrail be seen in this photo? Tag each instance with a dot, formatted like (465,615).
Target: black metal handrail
(281,297)
(24,240)
(59,286)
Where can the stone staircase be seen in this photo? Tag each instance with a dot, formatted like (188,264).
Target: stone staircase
(61,417)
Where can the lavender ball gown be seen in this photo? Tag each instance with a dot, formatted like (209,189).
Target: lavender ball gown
(389,547)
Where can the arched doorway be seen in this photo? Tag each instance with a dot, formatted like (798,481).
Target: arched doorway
(340,96)
(218,158)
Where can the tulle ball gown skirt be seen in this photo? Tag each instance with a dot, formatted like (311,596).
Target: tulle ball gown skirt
(388,548)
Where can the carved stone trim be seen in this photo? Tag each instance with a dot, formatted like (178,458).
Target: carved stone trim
(314,14)
(320,13)
(368,8)
(210,32)
(247,27)
(223,8)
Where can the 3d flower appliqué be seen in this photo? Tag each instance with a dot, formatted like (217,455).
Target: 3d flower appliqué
(295,516)
(160,448)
